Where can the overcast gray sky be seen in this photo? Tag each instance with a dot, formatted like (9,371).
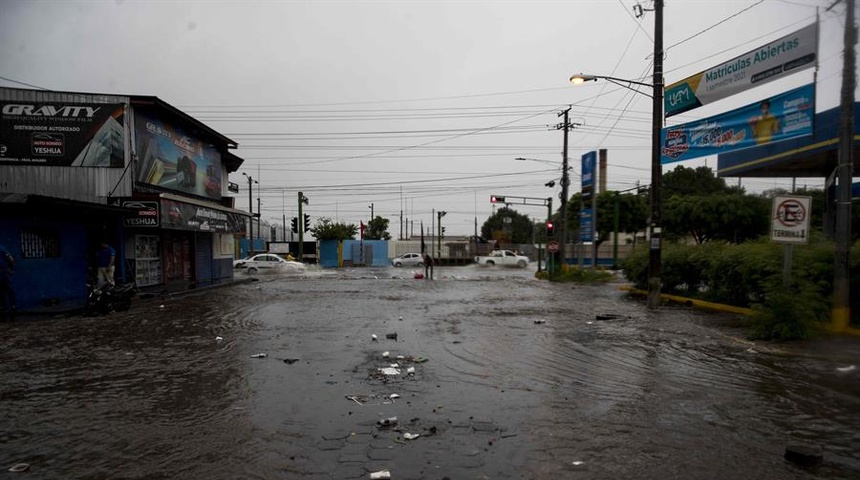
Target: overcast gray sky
(410,106)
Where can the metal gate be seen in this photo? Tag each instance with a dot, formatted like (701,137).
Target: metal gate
(204,258)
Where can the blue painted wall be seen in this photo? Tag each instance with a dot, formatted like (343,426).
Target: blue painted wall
(328,254)
(40,280)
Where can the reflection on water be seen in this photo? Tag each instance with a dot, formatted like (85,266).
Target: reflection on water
(152,394)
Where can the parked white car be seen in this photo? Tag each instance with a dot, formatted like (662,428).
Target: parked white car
(268,262)
(503,258)
(408,260)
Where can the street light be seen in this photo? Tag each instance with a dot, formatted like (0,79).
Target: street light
(655,261)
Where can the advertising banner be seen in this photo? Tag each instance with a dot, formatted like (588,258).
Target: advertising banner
(142,214)
(62,134)
(779,117)
(171,159)
(185,216)
(782,57)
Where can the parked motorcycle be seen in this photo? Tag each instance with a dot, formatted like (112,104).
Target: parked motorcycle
(108,298)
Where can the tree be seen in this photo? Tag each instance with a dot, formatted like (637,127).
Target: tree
(377,229)
(632,214)
(518,229)
(325,229)
(730,217)
(688,181)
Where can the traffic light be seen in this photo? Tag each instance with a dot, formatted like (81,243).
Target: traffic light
(550,229)
(294,223)
(307,222)
(496,199)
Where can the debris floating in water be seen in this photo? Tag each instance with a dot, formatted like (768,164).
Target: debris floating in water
(259,355)
(374,337)
(846,369)
(20,467)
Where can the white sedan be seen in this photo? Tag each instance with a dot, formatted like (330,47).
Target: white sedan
(268,262)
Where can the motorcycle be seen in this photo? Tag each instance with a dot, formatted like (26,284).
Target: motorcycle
(108,298)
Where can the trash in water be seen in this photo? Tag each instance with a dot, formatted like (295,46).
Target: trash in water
(259,355)
(589,323)
(391,336)
(161,306)
(393,396)
(400,357)
(390,371)
(395,365)
(410,436)
(845,369)
(380,475)
(578,463)
(387,422)
(386,354)
(540,321)
(410,371)
(373,337)
(218,339)
(357,399)
(401,318)
(290,361)
(20,467)
(607,316)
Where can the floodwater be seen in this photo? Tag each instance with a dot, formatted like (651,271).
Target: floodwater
(513,378)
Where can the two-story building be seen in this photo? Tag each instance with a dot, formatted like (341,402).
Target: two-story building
(79,169)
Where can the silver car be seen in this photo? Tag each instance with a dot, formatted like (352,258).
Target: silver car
(408,260)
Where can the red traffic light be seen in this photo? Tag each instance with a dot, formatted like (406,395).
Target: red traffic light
(497,199)
(550,229)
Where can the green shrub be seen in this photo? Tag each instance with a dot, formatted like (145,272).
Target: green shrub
(582,275)
(790,312)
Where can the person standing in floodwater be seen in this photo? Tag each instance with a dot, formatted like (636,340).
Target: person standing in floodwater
(428,267)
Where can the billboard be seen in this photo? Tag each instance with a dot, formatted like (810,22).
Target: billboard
(782,57)
(170,158)
(787,115)
(62,134)
(185,216)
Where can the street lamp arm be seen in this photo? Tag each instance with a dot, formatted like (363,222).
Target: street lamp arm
(581,78)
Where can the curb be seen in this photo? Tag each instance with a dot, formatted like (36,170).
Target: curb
(716,307)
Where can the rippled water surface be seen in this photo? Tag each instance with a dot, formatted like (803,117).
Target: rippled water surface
(521,380)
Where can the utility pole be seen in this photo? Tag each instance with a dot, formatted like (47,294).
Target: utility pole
(655,262)
(251,181)
(564,188)
(841,314)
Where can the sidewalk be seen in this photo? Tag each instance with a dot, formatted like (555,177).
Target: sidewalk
(69,308)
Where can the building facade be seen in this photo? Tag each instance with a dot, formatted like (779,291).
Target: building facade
(80,169)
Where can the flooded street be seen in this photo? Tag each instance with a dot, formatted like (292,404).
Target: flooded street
(513,378)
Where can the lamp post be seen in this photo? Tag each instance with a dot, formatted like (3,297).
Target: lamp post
(251,181)
(655,261)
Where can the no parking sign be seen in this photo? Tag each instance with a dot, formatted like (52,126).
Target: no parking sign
(790,219)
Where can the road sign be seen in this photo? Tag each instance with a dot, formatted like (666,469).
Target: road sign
(552,246)
(790,219)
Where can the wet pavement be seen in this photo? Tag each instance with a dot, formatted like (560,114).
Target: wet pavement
(513,378)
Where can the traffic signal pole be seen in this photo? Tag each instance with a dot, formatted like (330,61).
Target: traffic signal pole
(303,200)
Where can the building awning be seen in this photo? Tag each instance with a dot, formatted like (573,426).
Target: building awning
(183,213)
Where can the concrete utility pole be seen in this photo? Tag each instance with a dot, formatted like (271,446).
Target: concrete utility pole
(841,313)
(564,189)
(655,262)
(251,181)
